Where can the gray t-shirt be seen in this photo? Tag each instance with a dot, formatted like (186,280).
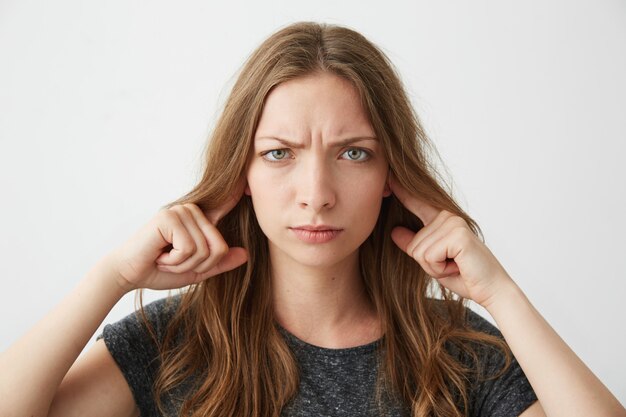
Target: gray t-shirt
(333,382)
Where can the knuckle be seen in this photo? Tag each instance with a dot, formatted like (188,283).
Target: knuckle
(200,268)
(192,208)
(220,249)
(461,233)
(173,268)
(410,249)
(176,208)
(185,210)
(189,208)
(165,213)
(429,257)
(180,210)
(455,221)
(429,272)
(188,249)
(171,214)
(204,267)
(417,252)
(459,221)
(203,251)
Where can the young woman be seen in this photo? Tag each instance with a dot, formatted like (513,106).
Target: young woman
(325,272)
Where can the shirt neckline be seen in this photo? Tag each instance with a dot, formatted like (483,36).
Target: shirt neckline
(355,350)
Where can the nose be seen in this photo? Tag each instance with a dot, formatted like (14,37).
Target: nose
(315,187)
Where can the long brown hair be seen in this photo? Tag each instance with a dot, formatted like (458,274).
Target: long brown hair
(232,348)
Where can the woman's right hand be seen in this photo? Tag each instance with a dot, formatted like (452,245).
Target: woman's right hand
(198,250)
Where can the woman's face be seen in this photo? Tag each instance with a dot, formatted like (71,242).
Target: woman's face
(315,179)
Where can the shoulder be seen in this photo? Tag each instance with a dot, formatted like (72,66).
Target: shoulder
(472,338)
(133,328)
(472,319)
(497,383)
(160,311)
(131,345)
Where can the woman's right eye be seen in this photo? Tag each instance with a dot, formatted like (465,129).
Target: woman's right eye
(277,155)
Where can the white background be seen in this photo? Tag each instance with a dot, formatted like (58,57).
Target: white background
(105,107)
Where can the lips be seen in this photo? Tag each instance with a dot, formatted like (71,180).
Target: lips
(316,234)
(320,227)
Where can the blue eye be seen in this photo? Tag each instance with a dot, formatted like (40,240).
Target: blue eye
(354,153)
(278,154)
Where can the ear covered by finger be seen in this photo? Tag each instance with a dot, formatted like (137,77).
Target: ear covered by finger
(424,210)
(218,213)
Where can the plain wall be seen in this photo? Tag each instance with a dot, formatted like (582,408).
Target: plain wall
(106,106)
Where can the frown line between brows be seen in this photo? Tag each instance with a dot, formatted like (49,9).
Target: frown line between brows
(337,144)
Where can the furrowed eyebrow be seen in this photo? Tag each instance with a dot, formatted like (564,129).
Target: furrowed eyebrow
(337,144)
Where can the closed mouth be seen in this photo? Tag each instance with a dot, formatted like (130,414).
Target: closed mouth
(320,228)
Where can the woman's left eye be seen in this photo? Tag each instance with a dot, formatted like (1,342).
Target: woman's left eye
(357,154)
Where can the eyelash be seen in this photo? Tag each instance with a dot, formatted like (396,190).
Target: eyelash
(369,155)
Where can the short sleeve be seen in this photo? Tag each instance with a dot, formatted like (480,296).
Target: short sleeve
(509,394)
(134,351)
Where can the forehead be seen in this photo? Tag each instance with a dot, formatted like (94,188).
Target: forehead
(320,103)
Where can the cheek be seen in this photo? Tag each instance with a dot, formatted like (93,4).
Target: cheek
(255,180)
(265,189)
(367,188)
(367,195)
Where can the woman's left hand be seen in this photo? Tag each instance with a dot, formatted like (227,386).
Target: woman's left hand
(449,251)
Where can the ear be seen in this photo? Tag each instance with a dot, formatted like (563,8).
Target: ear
(247,190)
(387,190)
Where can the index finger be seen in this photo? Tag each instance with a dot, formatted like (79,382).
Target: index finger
(217,213)
(420,208)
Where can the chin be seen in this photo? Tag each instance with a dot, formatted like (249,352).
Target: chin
(319,257)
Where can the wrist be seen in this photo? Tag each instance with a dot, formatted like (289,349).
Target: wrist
(109,276)
(507,292)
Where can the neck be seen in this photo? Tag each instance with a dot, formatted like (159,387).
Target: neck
(325,306)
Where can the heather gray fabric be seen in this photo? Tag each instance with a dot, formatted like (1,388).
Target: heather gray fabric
(333,382)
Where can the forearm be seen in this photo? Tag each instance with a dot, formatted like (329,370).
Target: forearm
(564,385)
(33,367)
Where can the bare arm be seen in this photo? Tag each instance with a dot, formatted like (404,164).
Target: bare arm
(34,370)
(34,366)
(449,251)
(564,385)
